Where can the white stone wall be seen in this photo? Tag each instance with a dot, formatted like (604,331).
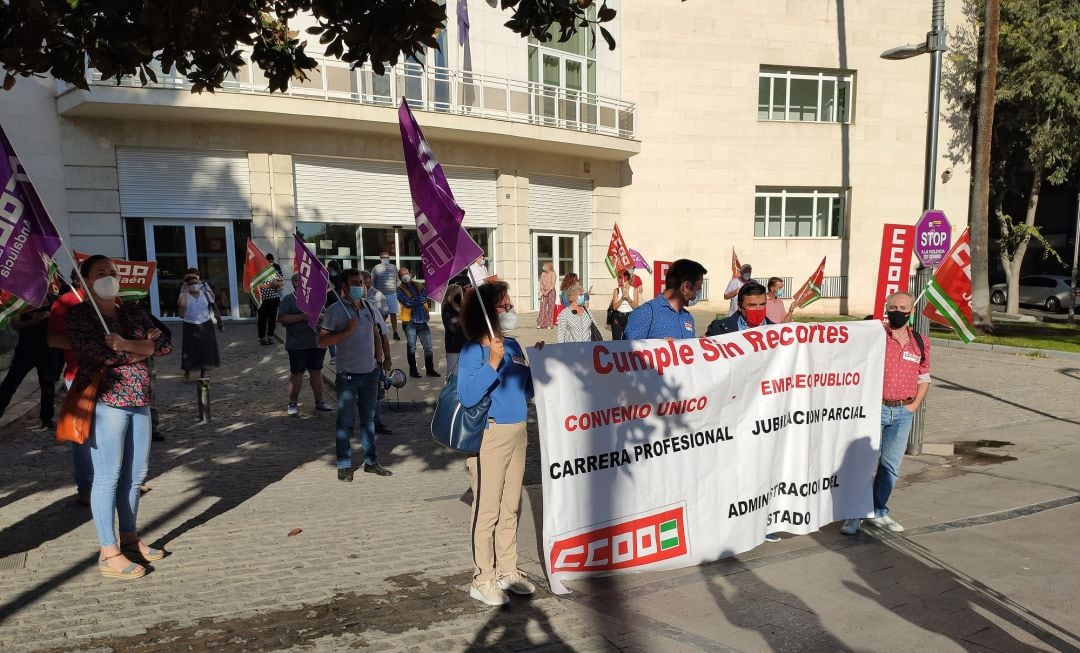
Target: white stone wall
(692,69)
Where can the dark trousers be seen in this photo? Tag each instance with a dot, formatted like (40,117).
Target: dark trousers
(267,317)
(47,361)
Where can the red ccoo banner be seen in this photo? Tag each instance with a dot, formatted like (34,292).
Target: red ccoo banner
(895,266)
(660,269)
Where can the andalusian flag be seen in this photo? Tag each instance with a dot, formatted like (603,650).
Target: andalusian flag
(811,290)
(948,295)
(736,267)
(10,306)
(257,271)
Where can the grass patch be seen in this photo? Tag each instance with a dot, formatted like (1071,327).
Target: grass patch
(1033,335)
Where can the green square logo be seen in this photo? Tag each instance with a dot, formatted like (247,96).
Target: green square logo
(669,535)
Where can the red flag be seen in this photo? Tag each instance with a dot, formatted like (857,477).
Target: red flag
(257,271)
(618,254)
(135,276)
(949,293)
(811,290)
(736,267)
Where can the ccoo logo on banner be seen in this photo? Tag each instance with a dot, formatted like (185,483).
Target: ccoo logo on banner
(663,454)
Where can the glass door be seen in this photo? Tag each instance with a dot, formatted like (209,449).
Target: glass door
(562,250)
(207,246)
(561,86)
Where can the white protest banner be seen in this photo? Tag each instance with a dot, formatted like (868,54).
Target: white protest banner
(663,454)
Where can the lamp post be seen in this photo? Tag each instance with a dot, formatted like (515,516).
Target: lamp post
(935,46)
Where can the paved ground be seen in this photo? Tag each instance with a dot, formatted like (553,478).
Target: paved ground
(988,562)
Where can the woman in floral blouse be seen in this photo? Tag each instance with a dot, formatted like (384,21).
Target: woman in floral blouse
(120,439)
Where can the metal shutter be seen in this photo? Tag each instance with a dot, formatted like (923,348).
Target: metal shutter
(183,184)
(377,192)
(560,203)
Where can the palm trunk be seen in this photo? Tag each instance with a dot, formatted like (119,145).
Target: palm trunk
(980,182)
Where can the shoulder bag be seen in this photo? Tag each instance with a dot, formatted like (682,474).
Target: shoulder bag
(455,426)
(77,413)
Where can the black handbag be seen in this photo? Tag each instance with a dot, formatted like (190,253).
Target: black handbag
(611,315)
(456,426)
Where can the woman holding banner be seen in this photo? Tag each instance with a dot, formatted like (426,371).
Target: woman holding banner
(494,365)
(120,437)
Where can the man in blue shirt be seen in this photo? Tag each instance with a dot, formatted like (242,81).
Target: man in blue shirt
(666,316)
(359,333)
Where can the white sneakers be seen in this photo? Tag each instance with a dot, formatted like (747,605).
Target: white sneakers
(494,593)
(292,410)
(887,523)
(518,583)
(489,594)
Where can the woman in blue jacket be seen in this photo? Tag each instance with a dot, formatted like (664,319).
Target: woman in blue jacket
(495,367)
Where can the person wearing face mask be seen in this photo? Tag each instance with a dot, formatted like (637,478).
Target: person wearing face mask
(493,365)
(751,313)
(907,379)
(360,334)
(120,436)
(732,290)
(200,349)
(774,306)
(385,279)
(575,323)
(378,300)
(478,272)
(414,320)
(666,316)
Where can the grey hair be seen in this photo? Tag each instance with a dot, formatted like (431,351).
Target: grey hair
(900,293)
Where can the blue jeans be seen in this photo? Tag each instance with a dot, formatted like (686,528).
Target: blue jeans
(411,331)
(895,427)
(120,450)
(356,393)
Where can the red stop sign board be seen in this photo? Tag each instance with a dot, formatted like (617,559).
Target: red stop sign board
(933,237)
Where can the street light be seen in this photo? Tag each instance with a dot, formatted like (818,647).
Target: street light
(935,46)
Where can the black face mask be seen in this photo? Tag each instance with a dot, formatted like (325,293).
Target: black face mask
(897,319)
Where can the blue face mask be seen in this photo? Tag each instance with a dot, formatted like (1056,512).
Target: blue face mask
(357,292)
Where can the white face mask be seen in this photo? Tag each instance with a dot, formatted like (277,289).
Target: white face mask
(508,321)
(406,278)
(107,287)
(384,260)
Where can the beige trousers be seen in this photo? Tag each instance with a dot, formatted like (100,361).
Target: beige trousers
(496,473)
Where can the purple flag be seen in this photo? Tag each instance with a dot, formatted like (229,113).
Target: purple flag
(639,261)
(28,237)
(445,248)
(311,282)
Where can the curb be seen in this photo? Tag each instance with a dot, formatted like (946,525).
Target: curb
(1005,349)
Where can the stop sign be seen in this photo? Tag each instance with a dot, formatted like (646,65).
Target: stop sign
(933,237)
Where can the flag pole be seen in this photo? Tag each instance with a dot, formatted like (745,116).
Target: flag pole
(480,298)
(86,288)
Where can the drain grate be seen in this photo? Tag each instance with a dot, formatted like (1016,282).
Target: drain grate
(15,562)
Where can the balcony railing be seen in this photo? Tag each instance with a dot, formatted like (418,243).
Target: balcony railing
(431,88)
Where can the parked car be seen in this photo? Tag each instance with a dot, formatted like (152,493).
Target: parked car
(1048,291)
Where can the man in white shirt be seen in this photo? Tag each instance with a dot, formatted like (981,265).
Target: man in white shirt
(736,284)
(478,272)
(385,277)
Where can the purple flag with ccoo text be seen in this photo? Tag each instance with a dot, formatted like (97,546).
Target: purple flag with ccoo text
(311,282)
(28,237)
(445,247)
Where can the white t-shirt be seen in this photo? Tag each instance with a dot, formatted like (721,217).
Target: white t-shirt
(478,273)
(734,285)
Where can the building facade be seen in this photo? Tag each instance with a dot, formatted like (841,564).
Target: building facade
(772,128)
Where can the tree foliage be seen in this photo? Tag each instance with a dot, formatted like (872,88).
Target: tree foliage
(1036,129)
(203,40)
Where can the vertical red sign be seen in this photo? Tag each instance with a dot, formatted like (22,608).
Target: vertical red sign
(660,269)
(895,265)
